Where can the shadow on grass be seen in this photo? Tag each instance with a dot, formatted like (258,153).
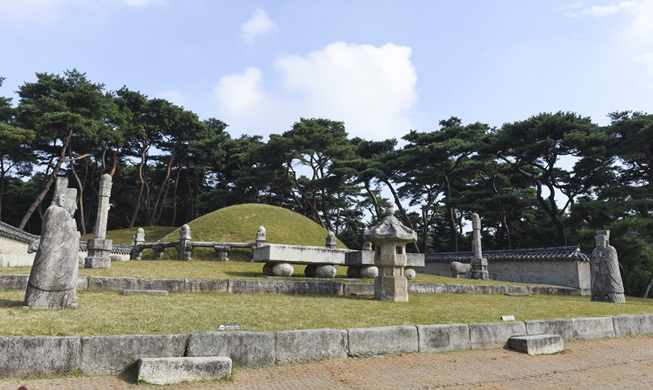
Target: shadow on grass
(7,303)
(244,274)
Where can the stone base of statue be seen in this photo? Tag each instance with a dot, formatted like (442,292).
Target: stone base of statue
(40,299)
(609,297)
(98,253)
(479,269)
(391,288)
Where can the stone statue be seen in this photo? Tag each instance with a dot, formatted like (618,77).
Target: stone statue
(53,279)
(606,279)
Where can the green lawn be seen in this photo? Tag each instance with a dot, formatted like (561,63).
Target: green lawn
(110,313)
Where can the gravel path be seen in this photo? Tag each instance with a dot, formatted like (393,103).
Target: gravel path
(625,363)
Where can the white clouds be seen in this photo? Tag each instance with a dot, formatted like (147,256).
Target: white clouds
(241,94)
(371,89)
(577,9)
(259,24)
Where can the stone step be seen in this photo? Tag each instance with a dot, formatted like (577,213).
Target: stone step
(168,371)
(144,292)
(541,344)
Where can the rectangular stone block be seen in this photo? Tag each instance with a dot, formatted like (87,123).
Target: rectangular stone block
(202,285)
(492,289)
(24,355)
(494,334)
(443,338)
(432,288)
(593,328)
(625,325)
(359,289)
(145,292)
(103,283)
(82,283)
(303,346)
(169,371)
(14,282)
(175,285)
(646,323)
(542,344)
(461,289)
(382,340)
(551,290)
(519,290)
(564,328)
(246,349)
(109,355)
(285,287)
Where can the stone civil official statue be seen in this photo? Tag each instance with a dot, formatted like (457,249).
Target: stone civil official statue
(53,279)
(607,285)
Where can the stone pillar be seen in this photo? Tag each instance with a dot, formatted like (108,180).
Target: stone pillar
(331,240)
(479,263)
(137,240)
(99,247)
(390,237)
(184,248)
(261,236)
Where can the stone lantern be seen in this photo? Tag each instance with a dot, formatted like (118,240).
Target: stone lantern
(390,238)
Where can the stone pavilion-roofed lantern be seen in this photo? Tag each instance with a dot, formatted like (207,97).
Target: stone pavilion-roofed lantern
(390,237)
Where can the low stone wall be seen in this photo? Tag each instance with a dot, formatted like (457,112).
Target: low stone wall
(574,274)
(110,355)
(302,287)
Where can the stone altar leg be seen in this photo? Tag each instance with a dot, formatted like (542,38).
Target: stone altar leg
(354,272)
(326,271)
(369,272)
(283,269)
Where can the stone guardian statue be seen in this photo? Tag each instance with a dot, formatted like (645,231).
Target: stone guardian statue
(607,285)
(53,279)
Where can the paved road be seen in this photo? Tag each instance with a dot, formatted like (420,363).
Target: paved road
(625,363)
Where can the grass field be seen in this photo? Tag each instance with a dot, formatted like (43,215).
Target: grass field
(110,313)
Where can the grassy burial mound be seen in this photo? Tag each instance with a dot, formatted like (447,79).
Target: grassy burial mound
(239,223)
(124,236)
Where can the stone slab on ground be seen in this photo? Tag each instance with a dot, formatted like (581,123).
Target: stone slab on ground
(303,346)
(625,325)
(492,289)
(144,292)
(461,289)
(246,349)
(25,355)
(382,340)
(593,328)
(169,371)
(551,290)
(519,290)
(109,355)
(646,323)
(432,288)
(176,285)
(285,287)
(494,334)
(443,338)
(103,283)
(13,282)
(204,285)
(564,328)
(359,289)
(541,344)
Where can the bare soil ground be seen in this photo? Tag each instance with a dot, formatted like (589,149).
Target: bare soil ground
(625,363)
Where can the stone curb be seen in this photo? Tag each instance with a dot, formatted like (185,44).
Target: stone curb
(103,283)
(104,355)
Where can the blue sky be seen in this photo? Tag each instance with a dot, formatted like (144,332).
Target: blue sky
(382,67)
